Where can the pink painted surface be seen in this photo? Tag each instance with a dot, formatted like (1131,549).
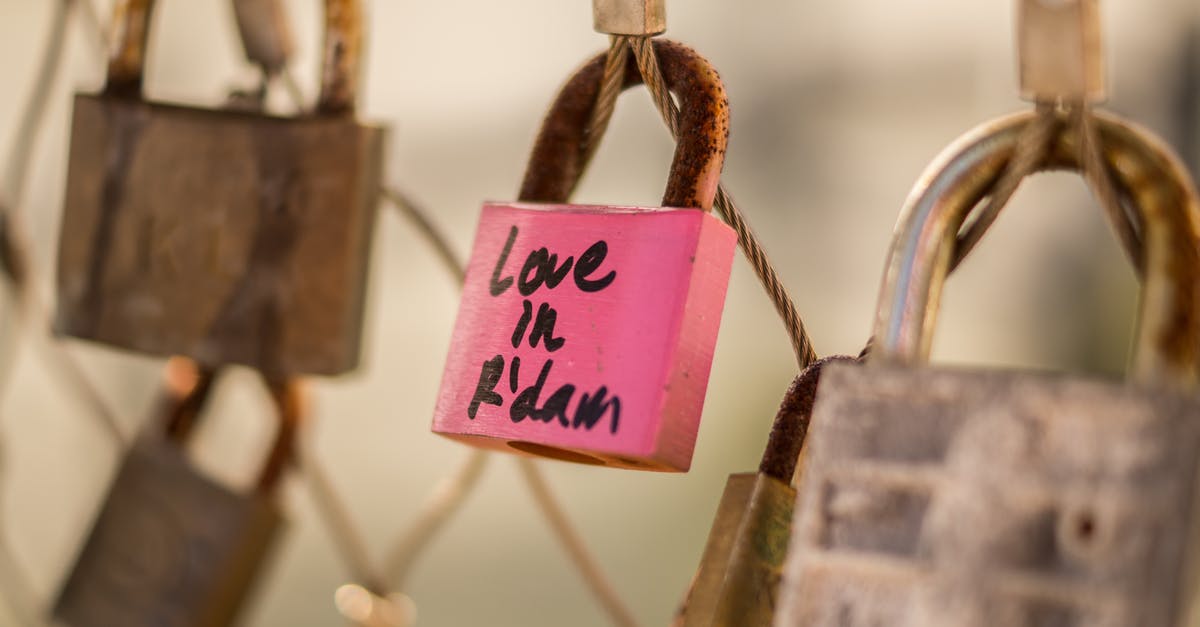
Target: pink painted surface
(646,337)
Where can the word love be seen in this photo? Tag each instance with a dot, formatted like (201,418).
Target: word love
(541,269)
(544,268)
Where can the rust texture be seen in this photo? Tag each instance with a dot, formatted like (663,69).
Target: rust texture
(792,422)
(341,55)
(127,57)
(1157,185)
(556,162)
(342,65)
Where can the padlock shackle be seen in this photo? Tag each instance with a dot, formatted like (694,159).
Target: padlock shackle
(1147,174)
(556,162)
(291,407)
(189,387)
(790,428)
(341,55)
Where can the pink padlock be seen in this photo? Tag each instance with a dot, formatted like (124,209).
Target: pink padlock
(586,333)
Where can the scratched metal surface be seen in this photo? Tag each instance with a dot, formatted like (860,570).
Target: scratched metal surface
(936,497)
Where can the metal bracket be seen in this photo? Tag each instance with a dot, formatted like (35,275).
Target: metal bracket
(1060,52)
(630,17)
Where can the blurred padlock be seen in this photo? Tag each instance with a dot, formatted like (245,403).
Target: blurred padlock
(586,333)
(172,548)
(937,497)
(228,237)
(743,559)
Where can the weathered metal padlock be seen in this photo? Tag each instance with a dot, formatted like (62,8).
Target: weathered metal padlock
(935,497)
(586,333)
(743,560)
(228,237)
(172,548)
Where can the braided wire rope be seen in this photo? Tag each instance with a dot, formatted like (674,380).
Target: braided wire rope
(1033,146)
(1100,181)
(802,345)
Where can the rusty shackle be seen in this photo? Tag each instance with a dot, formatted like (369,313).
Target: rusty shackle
(556,163)
(188,388)
(790,428)
(341,56)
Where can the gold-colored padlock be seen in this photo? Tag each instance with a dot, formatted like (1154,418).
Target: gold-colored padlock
(743,558)
(940,497)
(171,547)
(221,235)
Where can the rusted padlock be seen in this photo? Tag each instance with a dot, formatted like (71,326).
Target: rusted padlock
(935,497)
(172,548)
(586,333)
(228,237)
(743,559)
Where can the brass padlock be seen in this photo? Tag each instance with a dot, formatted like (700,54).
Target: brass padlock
(743,558)
(225,236)
(934,497)
(171,547)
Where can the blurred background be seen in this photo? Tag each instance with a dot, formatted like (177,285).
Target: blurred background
(837,109)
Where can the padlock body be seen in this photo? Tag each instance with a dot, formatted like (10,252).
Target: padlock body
(739,574)
(226,237)
(170,548)
(936,497)
(587,333)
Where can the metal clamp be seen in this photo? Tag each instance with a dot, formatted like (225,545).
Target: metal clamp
(630,17)
(1059,51)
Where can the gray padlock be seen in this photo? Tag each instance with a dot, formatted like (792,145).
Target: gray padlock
(938,497)
(171,547)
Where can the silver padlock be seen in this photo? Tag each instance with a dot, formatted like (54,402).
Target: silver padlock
(938,497)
